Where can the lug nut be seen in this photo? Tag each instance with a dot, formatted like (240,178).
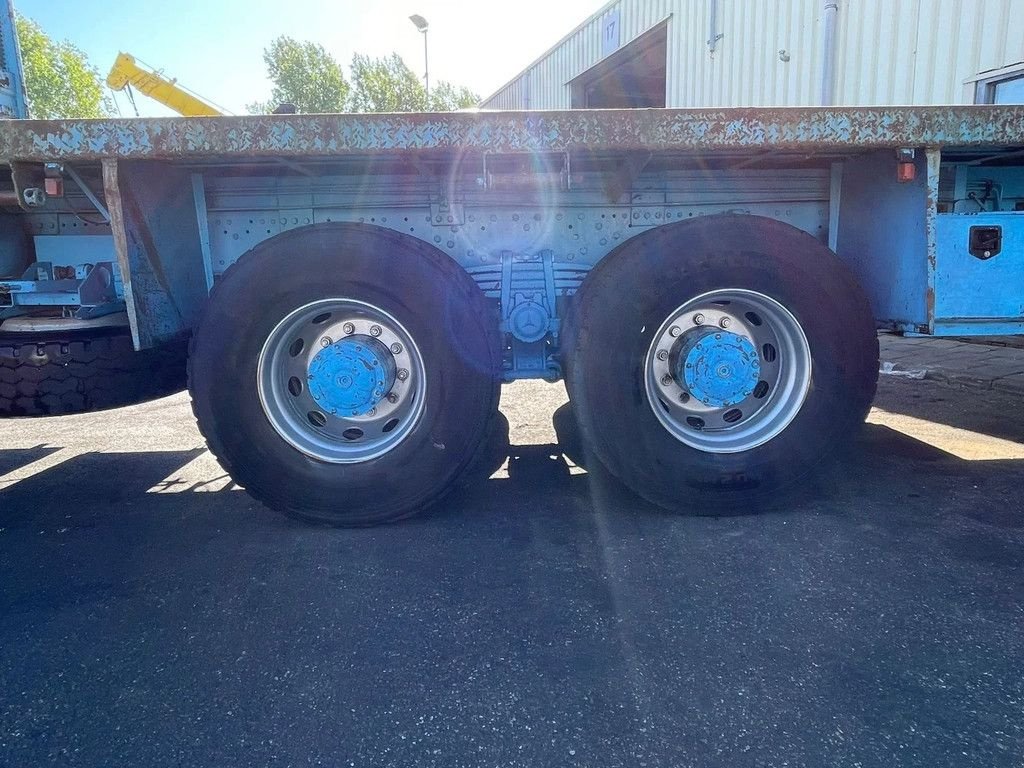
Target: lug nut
(675,330)
(375,330)
(662,354)
(396,348)
(372,412)
(403,375)
(348,328)
(326,341)
(725,322)
(698,319)
(666,380)
(392,398)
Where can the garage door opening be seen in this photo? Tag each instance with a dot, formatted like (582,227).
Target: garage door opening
(633,76)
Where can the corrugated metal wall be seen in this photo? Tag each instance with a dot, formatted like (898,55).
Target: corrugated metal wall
(888,52)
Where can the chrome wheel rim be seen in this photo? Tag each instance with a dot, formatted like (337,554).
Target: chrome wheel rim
(341,380)
(728,371)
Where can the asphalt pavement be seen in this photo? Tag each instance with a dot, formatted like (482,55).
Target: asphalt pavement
(152,615)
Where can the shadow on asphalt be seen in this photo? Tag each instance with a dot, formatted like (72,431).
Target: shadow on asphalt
(993,413)
(884,466)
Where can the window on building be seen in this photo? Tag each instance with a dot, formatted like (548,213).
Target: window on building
(1005,88)
(633,76)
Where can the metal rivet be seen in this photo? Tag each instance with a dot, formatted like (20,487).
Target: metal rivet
(349,329)
(725,322)
(396,349)
(375,330)
(403,375)
(698,319)
(675,330)
(718,337)
(326,341)
(662,354)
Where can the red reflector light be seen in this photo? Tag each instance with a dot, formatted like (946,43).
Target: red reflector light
(905,172)
(54,187)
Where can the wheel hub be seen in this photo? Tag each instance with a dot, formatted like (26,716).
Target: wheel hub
(718,368)
(350,377)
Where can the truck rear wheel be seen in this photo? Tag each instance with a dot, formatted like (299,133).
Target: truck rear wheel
(716,362)
(344,374)
(81,371)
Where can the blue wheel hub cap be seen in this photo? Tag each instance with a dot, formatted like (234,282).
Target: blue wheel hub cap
(349,377)
(720,368)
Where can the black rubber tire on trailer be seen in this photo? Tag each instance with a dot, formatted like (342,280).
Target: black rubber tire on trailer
(79,371)
(637,288)
(425,291)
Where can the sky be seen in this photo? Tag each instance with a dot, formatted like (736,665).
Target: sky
(215,47)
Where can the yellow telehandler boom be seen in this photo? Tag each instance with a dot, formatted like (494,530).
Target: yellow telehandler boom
(126,71)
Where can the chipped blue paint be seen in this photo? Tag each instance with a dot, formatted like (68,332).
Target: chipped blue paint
(799,129)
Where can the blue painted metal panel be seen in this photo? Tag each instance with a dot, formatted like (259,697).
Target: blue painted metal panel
(672,130)
(156,232)
(883,237)
(979,296)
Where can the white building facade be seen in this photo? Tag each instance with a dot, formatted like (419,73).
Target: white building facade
(759,53)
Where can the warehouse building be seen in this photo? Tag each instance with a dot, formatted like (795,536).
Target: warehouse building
(750,53)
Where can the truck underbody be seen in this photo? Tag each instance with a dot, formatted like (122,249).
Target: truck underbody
(371,279)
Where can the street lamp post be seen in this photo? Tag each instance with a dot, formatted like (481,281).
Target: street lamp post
(422,26)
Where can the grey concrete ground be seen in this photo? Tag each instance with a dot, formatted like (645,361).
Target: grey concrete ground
(980,364)
(153,616)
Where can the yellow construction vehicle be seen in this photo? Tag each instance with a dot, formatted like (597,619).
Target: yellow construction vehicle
(127,73)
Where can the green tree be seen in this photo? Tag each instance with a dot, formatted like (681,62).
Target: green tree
(304,74)
(445,97)
(388,85)
(385,85)
(59,81)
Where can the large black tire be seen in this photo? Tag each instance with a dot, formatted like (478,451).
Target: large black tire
(634,290)
(76,372)
(440,305)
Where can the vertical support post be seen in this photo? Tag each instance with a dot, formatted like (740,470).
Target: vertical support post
(112,194)
(713,34)
(828,53)
(835,193)
(202,219)
(426,68)
(934,163)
